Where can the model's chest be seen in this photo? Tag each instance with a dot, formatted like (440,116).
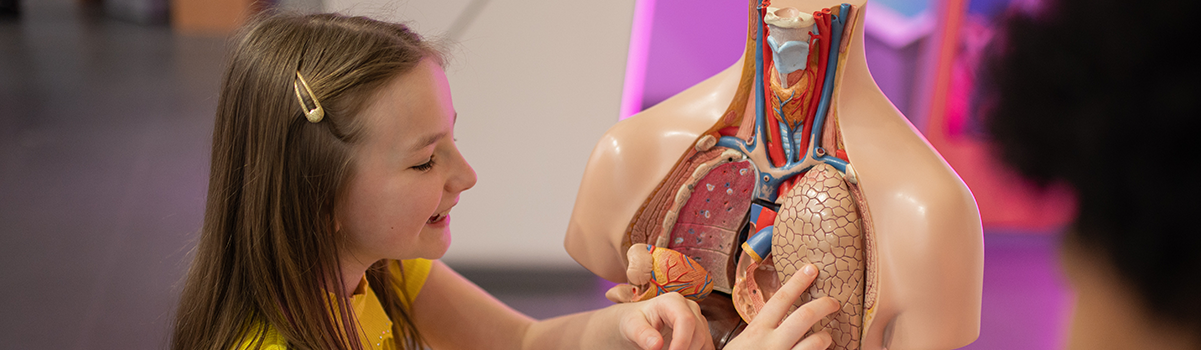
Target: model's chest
(752,203)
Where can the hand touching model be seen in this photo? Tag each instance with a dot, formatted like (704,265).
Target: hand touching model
(775,328)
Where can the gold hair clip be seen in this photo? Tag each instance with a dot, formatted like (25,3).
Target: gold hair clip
(316,113)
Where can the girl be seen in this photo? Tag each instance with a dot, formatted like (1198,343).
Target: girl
(334,171)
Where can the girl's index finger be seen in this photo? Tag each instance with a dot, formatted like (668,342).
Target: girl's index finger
(779,303)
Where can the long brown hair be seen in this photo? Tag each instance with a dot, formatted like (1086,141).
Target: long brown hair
(268,248)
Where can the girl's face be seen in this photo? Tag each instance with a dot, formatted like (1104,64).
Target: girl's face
(407,172)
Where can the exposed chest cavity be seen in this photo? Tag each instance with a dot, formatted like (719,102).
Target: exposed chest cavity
(759,196)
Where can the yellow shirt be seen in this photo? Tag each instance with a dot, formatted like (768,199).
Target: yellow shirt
(374,325)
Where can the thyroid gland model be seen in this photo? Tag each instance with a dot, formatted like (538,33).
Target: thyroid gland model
(791,156)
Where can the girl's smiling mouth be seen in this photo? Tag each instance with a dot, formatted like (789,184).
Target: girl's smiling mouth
(439,218)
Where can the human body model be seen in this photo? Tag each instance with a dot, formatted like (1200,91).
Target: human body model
(796,152)
(334,172)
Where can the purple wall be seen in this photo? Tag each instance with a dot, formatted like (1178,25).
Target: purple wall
(693,40)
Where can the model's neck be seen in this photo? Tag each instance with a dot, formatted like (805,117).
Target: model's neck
(798,57)
(742,109)
(791,24)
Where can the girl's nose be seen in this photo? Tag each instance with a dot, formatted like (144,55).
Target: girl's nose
(462,176)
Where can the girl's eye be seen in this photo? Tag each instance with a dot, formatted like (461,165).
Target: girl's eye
(429,164)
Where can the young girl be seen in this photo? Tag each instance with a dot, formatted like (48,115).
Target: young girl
(334,171)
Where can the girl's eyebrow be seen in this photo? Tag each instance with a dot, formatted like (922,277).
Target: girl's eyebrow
(429,140)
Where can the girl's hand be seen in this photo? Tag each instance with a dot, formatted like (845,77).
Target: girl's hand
(688,329)
(768,332)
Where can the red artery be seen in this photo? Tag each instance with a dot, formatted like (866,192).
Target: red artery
(823,39)
(842,154)
(775,151)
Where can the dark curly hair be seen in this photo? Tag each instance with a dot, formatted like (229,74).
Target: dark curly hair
(1103,97)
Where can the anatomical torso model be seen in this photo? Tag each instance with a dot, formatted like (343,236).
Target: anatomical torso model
(791,156)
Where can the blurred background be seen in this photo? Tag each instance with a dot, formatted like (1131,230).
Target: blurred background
(106,111)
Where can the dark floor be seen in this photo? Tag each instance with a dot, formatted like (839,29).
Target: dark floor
(104,129)
(103,132)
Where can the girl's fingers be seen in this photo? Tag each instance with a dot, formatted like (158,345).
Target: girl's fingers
(701,338)
(704,338)
(817,341)
(767,325)
(681,332)
(806,316)
(696,309)
(680,319)
(779,303)
(697,343)
(640,331)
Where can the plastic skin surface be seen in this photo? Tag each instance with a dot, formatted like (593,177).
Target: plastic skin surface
(928,243)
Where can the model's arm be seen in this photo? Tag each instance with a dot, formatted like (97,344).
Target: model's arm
(453,313)
(944,248)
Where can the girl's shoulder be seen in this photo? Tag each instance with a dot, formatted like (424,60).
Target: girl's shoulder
(263,337)
(410,276)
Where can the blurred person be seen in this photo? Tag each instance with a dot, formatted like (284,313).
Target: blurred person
(1101,97)
(10,8)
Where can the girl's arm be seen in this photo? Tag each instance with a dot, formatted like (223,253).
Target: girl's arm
(453,313)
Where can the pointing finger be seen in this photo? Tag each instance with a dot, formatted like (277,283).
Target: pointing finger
(806,316)
(817,341)
(779,303)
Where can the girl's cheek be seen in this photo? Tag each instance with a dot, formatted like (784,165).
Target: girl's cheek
(423,197)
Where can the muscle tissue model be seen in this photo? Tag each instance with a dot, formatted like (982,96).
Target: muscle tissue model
(790,157)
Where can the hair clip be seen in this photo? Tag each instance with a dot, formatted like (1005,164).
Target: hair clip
(316,113)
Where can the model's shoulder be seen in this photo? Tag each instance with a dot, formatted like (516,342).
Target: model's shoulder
(895,164)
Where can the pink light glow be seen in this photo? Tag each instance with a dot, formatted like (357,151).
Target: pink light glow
(640,37)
